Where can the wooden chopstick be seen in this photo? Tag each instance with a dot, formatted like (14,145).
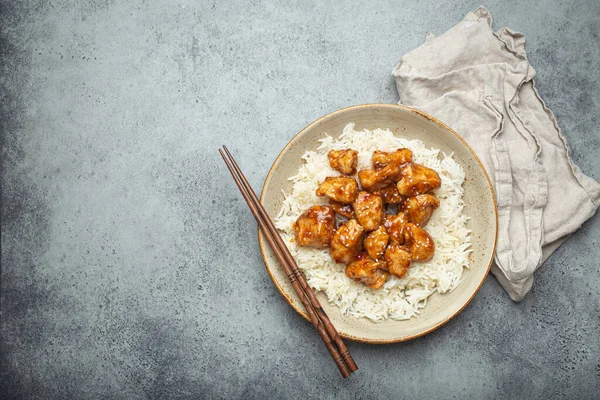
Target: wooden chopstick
(292,262)
(316,313)
(288,271)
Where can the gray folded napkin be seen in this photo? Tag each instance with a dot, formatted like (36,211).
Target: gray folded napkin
(480,83)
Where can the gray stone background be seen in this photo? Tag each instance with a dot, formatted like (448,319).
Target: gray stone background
(130,266)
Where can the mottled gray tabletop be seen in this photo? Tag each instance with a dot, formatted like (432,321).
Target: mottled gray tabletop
(130,266)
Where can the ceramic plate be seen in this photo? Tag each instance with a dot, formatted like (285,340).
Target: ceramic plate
(480,206)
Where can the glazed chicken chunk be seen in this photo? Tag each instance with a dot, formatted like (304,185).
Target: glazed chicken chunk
(315,227)
(345,210)
(368,272)
(419,208)
(394,224)
(344,161)
(418,242)
(375,243)
(390,194)
(417,179)
(399,157)
(369,210)
(347,241)
(397,259)
(339,188)
(377,179)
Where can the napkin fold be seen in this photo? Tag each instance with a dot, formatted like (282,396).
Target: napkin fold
(480,83)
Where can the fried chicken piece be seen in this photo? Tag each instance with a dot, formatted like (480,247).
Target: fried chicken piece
(344,161)
(399,157)
(339,188)
(419,243)
(347,241)
(315,227)
(419,208)
(394,224)
(369,210)
(377,179)
(368,272)
(417,179)
(390,194)
(375,243)
(397,259)
(343,209)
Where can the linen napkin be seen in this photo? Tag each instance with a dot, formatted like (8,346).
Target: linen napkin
(480,83)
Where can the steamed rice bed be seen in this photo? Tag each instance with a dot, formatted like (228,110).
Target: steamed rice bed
(399,298)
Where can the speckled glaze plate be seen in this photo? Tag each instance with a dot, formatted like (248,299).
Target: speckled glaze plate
(480,206)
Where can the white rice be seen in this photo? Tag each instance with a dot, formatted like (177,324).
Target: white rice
(398,299)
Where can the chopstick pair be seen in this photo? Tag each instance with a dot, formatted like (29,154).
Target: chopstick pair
(317,315)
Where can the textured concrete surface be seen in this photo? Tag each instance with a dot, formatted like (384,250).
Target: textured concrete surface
(130,267)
